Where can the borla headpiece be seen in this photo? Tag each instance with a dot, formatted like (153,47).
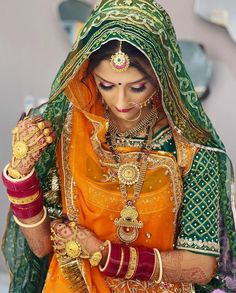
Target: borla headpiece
(120,61)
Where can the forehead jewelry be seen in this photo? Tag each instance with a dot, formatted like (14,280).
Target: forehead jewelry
(120,61)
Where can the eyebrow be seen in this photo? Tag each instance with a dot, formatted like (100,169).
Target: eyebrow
(142,79)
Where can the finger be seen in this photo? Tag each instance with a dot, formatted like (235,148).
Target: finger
(22,116)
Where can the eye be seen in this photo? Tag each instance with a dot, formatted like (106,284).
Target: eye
(105,87)
(138,89)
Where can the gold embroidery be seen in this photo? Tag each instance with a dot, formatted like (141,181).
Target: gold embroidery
(72,211)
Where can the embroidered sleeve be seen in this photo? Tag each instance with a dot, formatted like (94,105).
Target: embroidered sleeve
(200,209)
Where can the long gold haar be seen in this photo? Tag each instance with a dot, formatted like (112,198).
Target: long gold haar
(129,174)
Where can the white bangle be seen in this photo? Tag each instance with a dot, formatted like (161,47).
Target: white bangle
(31,225)
(160,266)
(16,180)
(102,269)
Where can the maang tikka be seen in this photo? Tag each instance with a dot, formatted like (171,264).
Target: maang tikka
(120,61)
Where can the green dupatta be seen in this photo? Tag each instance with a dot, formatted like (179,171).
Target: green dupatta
(147,26)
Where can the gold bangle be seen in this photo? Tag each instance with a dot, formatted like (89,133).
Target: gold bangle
(24,200)
(121,261)
(160,265)
(14,173)
(15,180)
(23,225)
(132,263)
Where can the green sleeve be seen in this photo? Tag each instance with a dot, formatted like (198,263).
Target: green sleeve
(199,228)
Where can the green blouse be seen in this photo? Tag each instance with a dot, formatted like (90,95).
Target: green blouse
(198,225)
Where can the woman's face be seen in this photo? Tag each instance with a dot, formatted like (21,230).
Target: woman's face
(123,91)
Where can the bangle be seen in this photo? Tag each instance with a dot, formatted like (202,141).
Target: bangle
(146,264)
(24,193)
(126,261)
(157,252)
(113,260)
(132,263)
(24,200)
(121,261)
(27,211)
(32,225)
(19,184)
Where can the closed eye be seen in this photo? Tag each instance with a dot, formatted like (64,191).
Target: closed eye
(105,87)
(138,89)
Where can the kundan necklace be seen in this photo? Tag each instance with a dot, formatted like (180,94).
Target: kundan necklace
(130,174)
(122,138)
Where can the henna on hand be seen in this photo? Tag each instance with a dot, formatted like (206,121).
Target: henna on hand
(34,134)
(187,267)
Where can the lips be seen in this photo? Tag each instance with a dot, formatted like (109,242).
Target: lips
(124,110)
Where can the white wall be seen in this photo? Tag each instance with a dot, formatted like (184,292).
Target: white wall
(33,46)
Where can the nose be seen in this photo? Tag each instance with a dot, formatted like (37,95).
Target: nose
(121,99)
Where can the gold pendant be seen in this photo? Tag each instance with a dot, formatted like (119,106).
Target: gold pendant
(73,249)
(128,225)
(128,174)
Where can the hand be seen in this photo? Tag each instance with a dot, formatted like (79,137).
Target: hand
(30,138)
(88,240)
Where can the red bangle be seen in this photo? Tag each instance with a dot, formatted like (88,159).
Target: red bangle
(24,193)
(27,213)
(19,184)
(28,210)
(113,260)
(146,264)
(126,260)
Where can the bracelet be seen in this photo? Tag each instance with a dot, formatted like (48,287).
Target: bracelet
(19,184)
(24,193)
(24,200)
(27,211)
(146,264)
(132,263)
(157,252)
(32,225)
(121,261)
(126,261)
(113,260)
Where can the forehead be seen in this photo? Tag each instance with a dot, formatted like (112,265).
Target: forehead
(105,71)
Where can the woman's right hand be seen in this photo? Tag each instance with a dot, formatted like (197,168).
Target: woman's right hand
(30,138)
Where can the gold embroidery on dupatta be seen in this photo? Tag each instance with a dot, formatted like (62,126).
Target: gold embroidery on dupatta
(72,211)
(73,270)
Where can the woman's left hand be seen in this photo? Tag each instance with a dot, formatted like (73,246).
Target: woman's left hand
(85,237)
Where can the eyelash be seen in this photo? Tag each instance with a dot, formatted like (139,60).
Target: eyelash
(136,90)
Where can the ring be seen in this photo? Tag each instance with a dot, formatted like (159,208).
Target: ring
(46,131)
(41,125)
(49,139)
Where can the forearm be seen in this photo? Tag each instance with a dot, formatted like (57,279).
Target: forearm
(38,238)
(187,267)
(178,266)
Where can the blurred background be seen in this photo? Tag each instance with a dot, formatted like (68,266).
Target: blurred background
(34,43)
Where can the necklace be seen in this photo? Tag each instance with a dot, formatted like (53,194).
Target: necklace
(129,174)
(137,129)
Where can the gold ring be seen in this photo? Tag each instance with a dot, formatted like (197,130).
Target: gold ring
(41,125)
(46,132)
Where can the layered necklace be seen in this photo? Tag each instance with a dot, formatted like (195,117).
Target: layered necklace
(130,174)
(123,138)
